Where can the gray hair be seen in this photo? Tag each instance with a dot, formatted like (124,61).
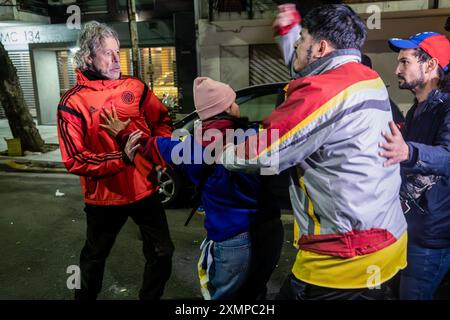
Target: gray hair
(90,41)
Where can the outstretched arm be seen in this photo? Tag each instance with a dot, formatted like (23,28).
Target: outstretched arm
(417,157)
(286,29)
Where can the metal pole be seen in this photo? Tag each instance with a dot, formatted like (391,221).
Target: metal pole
(131,5)
(250,9)
(197,15)
(211,10)
(436,4)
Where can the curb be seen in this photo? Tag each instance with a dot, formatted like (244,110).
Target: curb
(12,165)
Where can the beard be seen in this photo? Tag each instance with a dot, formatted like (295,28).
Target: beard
(308,59)
(413,84)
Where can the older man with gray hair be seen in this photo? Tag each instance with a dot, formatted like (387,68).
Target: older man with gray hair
(113,188)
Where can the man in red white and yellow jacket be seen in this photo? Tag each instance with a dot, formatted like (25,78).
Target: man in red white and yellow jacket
(327,134)
(112,186)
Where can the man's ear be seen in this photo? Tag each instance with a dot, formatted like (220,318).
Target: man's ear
(323,48)
(88,60)
(432,65)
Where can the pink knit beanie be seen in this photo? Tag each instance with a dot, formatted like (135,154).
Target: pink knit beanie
(212,97)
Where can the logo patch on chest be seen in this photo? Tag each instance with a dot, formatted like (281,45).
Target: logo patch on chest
(128,97)
(92,109)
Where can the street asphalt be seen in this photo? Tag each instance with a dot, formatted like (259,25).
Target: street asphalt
(42,230)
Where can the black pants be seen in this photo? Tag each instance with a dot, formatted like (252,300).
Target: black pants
(267,243)
(103,225)
(295,289)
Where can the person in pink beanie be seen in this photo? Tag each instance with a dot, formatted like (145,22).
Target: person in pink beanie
(212,98)
(244,231)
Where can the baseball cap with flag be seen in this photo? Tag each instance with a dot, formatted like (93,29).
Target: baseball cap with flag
(435,44)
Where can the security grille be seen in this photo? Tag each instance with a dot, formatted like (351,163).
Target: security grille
(21,60)
(66,71)
(2,112)
(266,64)
(157,69)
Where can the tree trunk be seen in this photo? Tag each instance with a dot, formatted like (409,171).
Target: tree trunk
(11,97)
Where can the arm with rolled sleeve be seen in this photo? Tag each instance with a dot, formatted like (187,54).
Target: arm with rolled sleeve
(286,29)
(286,44)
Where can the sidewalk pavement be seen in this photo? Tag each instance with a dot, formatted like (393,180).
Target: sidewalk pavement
(34,162)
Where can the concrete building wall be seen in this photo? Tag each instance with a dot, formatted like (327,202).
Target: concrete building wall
(210,61)
(11,14)
(391,6)
(6,13)
(234,66)
(444,3)
(46,85)
(224,48)
(385,64)
(221,43)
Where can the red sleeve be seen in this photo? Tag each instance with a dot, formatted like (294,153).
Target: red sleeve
(148,155)
(143,165)
(149,148)
(156,114)
(76,157)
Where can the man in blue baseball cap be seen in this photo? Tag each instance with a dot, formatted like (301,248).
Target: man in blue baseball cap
(423,151)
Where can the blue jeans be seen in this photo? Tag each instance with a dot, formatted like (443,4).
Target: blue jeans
(425,271)
(229,270)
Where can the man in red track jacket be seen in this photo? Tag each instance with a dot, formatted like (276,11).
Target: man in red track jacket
(113,189)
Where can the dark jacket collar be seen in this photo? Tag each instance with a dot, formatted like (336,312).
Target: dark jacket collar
(434,99)
(92,75)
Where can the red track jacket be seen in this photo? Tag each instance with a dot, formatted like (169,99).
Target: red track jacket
(90,152)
